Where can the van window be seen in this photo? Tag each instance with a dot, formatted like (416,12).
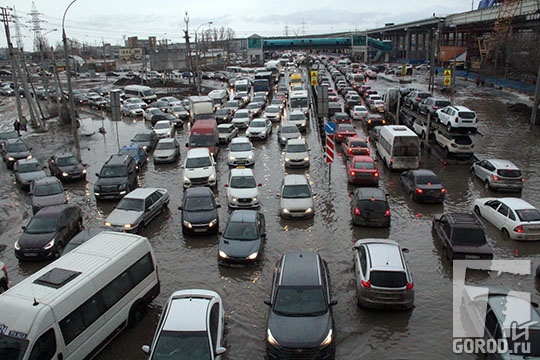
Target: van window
(45,347)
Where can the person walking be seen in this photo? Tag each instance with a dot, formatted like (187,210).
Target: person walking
(24,123)
(17,127)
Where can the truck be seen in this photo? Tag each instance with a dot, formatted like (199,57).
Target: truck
(200,107)
(219,97)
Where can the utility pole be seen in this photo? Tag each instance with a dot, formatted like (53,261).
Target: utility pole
(12,60)
(536,100)
(190,60)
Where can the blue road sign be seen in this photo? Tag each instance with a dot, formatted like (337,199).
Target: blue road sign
(330,127)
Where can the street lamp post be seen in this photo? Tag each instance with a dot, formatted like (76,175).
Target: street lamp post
(199,75)
(454,62)
(74,130)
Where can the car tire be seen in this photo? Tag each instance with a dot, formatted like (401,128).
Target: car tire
(80,225)
(446,152)
(477,211)
(506,235)
(58,251)
(486,185)
(411,196)
(449,127)
(136,313)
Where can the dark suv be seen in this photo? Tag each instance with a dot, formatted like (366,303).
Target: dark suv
(300,320)
(117,178)
(462,236)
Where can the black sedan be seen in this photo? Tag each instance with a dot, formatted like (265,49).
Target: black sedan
(65,166)
(242,241)
(423,185)
(199,211)
(48,232)
(166,116)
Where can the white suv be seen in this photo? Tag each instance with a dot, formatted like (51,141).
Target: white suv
(454,144)
(199,168)
(296,198)
(242,189)
(240,152)
(455,117)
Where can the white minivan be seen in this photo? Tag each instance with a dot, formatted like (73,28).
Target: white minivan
(76,305)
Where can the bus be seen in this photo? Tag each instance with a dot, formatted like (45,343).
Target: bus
(399,147)
(145,93)
(299,100)
(295,79)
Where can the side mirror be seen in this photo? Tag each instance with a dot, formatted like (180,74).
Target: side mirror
(179,208)
(259,184)
(218,206)
(405,250)
(97,174)
(220,232)
(268,302)
(333,302)
(220,350)
(146,349)
(226,185)
(23,227)
(187,144)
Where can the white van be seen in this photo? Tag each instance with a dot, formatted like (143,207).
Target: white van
(399,147)
(145,93)
(219,97)
(75,306)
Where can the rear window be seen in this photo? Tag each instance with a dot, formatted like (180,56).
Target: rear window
(364,165)
(463,140)
(442,103)
(427,180)
(388,279)
(528,215)
(468,236)
(372,205)
(467,115)
(511,173)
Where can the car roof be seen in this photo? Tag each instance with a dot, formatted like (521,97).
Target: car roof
(198,191)
(132,146)
(47,180)
(460,108)
(384,254)
(241,139)
(28,161)
(241,172)
(503,302)
(295,179)
(422,172)
(166,140)
(141,193)
(183,314)
(502,163)
(248,216)
(369,193)
(198,152)
(64,155)
(117,159)
(363,158)
(297,141)
(300,269)
(516,203)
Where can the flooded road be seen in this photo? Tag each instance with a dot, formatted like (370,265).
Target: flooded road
(191,262)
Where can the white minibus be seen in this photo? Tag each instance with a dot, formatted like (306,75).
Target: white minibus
(145,93)
(399,147)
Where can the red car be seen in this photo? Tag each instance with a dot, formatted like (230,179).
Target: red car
(352,146)
(362,169)
(343,131)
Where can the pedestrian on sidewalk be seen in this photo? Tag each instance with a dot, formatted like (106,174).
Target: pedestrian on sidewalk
(24,122)
(436,72)
(17,127)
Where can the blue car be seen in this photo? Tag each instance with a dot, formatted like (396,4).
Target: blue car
(137,152)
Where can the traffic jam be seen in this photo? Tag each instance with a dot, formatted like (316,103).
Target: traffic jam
(311,208)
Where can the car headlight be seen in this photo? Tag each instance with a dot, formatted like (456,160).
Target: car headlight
(271,339)
(248,133)
(49,245)
(187,224)
(11,158)
(232,158)
(84,171)
(233,199)
(255,199)
(129,226)
(222,254)
(309,210)
(286,211)
(17,246)
(287,159)
(145,147)
(328,339)
(122,187)
(283,138)
(303,124)
(29,157)
(306,158)
(107,224)
(253,256)
(65,174)
(250,157)
(168,133)
(212,223)
(212,177)
(187,180)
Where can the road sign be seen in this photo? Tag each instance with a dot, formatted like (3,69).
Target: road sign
(330,127)
(447,72)
(314,75)
(447,80)
(330,148)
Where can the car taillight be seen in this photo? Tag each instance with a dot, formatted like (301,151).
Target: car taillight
(369,121)
(472,146)
(519,229)
(349,151)
(4,268)
(368,151)
(435,107)
(522,179)
(453,145)
(387,213)
(417,99)
(418,191)
(340,135)
(384,122)
(376,174)
(409,286)
(443,190)
(356,211)
(366,284)
(352,172)
(455,120)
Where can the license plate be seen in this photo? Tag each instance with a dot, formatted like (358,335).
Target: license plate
(199,230)
(472,257)
(30,254)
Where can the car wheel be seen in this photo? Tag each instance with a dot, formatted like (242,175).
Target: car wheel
(411,196)
(449,127)
(411,107)
(486,185)
(477,211)
(446,152)
(423,135)
(80,225)
(3,287)
(505,233)
(136,313)
(58,251)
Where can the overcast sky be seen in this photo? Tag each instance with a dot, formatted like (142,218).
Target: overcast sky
(96,21)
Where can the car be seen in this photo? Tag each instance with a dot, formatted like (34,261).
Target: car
(151,111)
(297,153)
(179,112)
(298,118)
(117,177)
(162,105)
(382,275)
(147,139)
(461,236)
(373,120)
(48,231)
(137,152)
(164,129)
(515,217)
(167,151)
(287,131)
(83,236)
(413,99)
(430,105)
(13,150)
(240,152)
(26,171)
(296,198)
(420,127)
(66,167)
(369,207)
(171,100)
(7,91)
(255,108)
(498,174)
(131,110)
(279,102)
(199,168)
(460,145)
(457,118)
(242,189)
(374,134)
(242,241)
(166,117)
(241,119)
(379,106)
(423,185)
(137,209)
(370,101)
(300,320)
(4,281)
(232,105)
(46,191)
(227,132)
(243,97)
(273,113)
(259,128)
(359,112)
(223,116)
(5,135)
(341,118)
(191,326)
(143,105)
(362,170)
(343,131)
(351,146)
(199,213)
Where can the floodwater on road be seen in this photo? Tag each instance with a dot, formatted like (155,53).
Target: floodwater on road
(191,262)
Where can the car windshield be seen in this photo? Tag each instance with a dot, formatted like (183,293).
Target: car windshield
(372,206)
(241,231)
(258,124)
(48,189)
(17,147)
(364,165)
(462,140)
(130,151)
(141,137)
(406,146)
(165,145)
(198,162)
(300,301)
(131,204)
(297,117)
(427,180)
(12,348)
(468,236)
(442,103)
(347,128)
(296,148)
(225,130)
(222,112)
(113,171)
(240,147)
(243,182)
(178,109)
(133,106)
(148,92)
(202,140)
(296,191)
(511,173)
(528,215)
(41,225)
(272,110)
(182,345)
(23,168)
(160,126)
(241,115)
(253,106)
(199,203)
(9,135)
(289,130)
(388,279)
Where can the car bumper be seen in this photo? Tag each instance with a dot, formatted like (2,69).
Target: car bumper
(237,262)
(241,162)
(399,300)
(261,136)
(110,196)
(366,181)
(162,160)
(196,229)
(74,176)
(34,254)
(297,164)
(296,214)
(506,186)
(248,204)
(275,353)
(379,222)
